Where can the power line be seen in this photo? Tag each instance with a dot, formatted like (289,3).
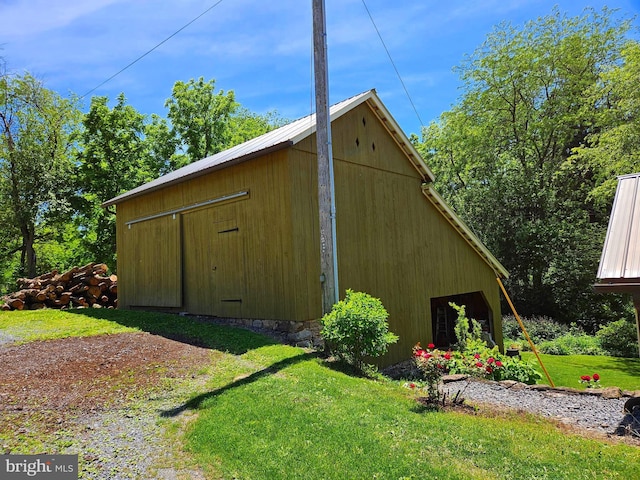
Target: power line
(154,48)
(393,64)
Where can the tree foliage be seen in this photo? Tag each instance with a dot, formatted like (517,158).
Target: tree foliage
(614,147)
(35,165)
(504,157)
(120,150)
(200,117)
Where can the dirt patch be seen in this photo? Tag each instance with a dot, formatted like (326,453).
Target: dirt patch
(92,372)
(98,397)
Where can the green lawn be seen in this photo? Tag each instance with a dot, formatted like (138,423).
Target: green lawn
(30,325)
(566,370)
(273,411)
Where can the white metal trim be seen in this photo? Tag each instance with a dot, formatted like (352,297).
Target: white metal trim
(188,207)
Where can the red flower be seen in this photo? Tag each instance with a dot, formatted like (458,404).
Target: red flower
(479,364)
(419,353)
(412,385)
(585,378)
(596,377)
(426,355)
(490,360)
(498,363)
(489,369)
(476,356)
(447,356)
(431,346)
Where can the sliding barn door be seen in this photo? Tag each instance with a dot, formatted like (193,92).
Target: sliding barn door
(151,256)
(214,270)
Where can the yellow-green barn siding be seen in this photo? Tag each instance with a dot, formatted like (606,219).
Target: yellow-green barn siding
(263,219)
(392,242)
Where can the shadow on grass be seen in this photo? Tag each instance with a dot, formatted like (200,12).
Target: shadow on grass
(369,372)
(197,331)
(195,402)
(629,366)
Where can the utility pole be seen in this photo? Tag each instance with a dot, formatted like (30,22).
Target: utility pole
(326,190)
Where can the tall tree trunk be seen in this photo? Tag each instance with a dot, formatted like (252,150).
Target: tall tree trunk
(28,257)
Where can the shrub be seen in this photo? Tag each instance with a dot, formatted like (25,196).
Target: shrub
(619,338)
(357,327)
(572,344)
(433,364)
(539,328)
(466,330)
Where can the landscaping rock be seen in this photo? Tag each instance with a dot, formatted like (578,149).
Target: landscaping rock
(539,387)
(300,336)
(611,392)
(581,408)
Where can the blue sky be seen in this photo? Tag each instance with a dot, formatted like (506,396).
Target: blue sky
(261,49)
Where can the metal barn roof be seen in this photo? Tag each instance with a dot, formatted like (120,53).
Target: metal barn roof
(282,137)
(620,260)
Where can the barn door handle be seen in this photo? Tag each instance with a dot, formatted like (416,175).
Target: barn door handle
(214,268)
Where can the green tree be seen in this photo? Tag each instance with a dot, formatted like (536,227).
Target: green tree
(35,164)
(502,157)
(119,151)
(200,117)
(245,125)
(614,148)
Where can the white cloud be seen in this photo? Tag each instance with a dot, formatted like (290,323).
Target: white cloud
(29,18)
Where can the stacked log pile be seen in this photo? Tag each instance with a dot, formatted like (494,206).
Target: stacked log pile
(80,287)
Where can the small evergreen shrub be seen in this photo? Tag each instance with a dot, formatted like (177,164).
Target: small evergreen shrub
(357,328)
(466,330)
(619,338)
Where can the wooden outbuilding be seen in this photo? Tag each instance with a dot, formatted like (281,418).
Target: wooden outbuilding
(236,235)
(619,269)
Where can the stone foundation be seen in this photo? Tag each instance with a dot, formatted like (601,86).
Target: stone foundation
(300,334)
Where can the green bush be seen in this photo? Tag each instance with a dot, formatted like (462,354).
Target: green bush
(357,327)
(572,344)
(519,371)
(467,330)
(619,338)
(539,328)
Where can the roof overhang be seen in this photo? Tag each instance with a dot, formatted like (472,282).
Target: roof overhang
(620,259)
(617,285)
